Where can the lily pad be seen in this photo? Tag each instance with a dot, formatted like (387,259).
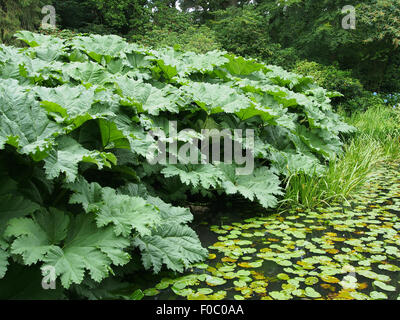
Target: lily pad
(378,295)
(310,292)
(384,286)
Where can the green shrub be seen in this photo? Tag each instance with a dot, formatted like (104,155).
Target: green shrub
(172,28)
(199,39)
(76,14)
(361,103)
(286,58)
(105,16)
(242,32)
(355,97)
(331,78)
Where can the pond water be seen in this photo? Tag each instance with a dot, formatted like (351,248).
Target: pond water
(342,251)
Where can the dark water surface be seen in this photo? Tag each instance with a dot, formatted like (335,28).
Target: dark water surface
(343,251)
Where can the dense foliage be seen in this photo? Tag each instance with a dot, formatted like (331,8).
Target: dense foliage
(171,27)
(354,96)
(78,192)
(104,16)
(311,30)
(316,32)
(277,32)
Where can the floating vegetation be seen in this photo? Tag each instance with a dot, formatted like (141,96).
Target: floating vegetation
(343,252)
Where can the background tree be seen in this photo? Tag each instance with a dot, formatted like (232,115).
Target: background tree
(104,16)
(314,29)
(18,14)
(281,32)
(242,31)
(203,9)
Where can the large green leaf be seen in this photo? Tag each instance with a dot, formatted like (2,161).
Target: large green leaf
(216,98)
(36,237)
(37,39)
(68,155)
(100,48)
(206,175)
(148,98)
(124,212)
(23,123)
(66,101)
(171,214)
(262,185)
(3,262)
(12,203)
(70,245)
(176,246)
(14,206)
(88,73)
